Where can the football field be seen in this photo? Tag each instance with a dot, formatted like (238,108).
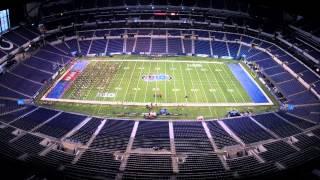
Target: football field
(157,82)
(122,86)
(162,82)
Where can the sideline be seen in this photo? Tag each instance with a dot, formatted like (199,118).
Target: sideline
(156,104)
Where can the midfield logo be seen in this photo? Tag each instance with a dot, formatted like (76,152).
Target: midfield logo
(156,77)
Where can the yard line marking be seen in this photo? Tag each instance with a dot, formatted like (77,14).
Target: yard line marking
(145,92)
(165,82)
(174,82)
(216,80)
(115,78)
(197,100)
(120,83)
(106,88)
(99,80)
(211,88)
(227,84)
(92,87)
(231,90)
(203,90)
(184,87)
(128,85)
(89,85)
(157,89)
(140,75)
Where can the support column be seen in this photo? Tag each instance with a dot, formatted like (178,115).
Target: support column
(175,167)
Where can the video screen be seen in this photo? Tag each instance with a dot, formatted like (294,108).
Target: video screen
(4,20)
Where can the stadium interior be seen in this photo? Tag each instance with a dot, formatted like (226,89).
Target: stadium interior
(159,89)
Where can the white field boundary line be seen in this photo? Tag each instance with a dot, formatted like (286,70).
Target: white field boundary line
(269,100)
(216,80)
(214,95)
(155,61)
(158,104)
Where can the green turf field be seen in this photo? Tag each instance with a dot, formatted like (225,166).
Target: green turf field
(120,80)
(189,82)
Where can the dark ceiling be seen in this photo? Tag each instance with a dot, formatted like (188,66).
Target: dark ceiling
(267,8)
(301,7)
